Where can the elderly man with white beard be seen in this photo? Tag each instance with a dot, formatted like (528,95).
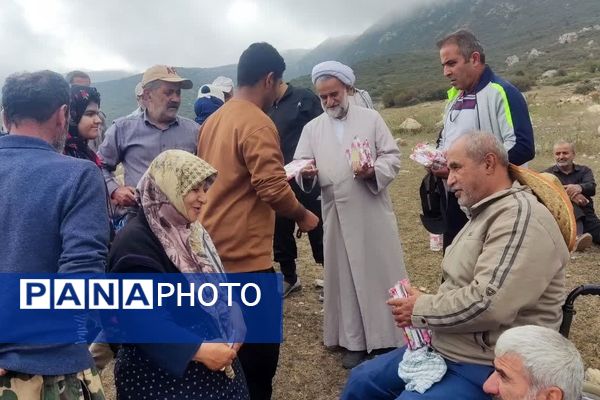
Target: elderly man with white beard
(362,250)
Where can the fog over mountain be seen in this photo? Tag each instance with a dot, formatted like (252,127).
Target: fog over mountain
(131,35)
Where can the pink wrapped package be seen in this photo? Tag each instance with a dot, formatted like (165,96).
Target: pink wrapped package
(415,338)
(359,155)
(427,155)
(293,168)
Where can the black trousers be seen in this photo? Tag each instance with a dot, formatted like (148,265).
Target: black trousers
(455,219)
(284,242)
(259,362)
(586,216)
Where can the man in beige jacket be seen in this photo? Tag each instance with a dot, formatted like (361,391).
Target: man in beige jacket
(505,268)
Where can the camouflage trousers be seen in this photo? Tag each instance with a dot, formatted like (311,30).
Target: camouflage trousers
(84,385)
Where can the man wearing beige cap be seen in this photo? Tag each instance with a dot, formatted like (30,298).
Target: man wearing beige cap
(135,140)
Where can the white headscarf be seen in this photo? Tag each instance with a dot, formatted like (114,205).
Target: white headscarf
(334,68)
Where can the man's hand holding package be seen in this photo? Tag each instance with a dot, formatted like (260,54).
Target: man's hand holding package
(439,170)
(402,309)
(310,171)
(365,172)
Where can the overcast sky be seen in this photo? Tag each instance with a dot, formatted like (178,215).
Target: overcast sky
(133,34)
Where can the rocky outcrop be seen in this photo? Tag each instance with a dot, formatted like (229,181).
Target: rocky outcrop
(567,38)
(534,53)
(512,60)
(410,124)
(551,73)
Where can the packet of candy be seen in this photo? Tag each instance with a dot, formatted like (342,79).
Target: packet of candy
(359,155)
(427,155)
(293,168)
(415,337)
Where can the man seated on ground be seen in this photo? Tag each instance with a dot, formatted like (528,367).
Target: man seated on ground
(496,274)
(580,185)
(533,362)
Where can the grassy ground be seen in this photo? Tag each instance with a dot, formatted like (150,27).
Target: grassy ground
(309,371)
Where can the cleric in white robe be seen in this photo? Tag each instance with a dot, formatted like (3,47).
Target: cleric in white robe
(363,254)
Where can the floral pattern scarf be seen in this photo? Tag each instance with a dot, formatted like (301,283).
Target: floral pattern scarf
(161,190)
(160,194)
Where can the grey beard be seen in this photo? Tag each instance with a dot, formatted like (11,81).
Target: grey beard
(338,112)
(59,142)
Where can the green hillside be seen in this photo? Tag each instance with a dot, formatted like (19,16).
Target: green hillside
(509,26)
(412,77)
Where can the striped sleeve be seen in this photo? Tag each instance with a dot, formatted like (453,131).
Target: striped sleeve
(512,272)
(515,123)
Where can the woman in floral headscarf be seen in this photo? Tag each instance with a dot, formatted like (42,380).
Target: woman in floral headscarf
(84,123)
(166,237)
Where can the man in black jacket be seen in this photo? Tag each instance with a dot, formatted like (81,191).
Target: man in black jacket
(578,181)
(294,108)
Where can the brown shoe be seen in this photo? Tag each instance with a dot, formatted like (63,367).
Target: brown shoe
(583,242)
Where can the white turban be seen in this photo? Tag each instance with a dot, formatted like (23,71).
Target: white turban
(336,69)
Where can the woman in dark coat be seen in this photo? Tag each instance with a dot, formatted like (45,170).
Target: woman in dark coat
(165,237)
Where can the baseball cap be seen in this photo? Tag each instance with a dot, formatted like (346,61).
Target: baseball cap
(166,74)
(211,90)
(223,83)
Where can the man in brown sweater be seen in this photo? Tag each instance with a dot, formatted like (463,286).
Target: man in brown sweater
(242,143)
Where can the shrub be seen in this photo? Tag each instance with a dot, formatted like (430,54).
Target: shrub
(565,79)
(405,98)
(561,72)
(584,88)
(388,99)
(375,92)
(523,83)
(594,67)
(434,94)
